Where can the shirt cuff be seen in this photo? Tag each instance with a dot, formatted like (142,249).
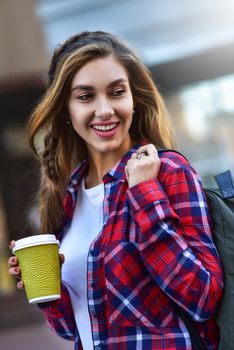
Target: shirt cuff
(56,307)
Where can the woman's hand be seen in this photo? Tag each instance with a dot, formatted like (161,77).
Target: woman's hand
(14,269)
(143,165)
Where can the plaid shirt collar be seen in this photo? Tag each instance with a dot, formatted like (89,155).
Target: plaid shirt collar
(116,173)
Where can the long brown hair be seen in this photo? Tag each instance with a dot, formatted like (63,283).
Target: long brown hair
(62,148)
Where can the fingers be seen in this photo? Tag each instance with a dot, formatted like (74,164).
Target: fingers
(20,285)
(143,165)
(14,269)
(144,152)
(15,272)
(12,261)
(138,155)
(148,149)
(11,245)
(134,156)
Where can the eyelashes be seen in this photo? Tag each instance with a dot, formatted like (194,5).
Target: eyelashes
(89,96)
(84,97)
(118,92)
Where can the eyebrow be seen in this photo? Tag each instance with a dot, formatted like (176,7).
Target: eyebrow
(91,88)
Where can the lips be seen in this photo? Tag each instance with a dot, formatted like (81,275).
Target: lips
(105,129)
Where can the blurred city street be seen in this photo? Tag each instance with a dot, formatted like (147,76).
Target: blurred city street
(34,337)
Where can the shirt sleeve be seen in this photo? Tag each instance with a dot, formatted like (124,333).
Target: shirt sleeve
(59,315)
(175,239)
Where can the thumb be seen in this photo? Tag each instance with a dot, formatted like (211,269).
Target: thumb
(126,173)
(61,259)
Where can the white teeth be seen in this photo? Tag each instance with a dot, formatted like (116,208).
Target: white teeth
(104,128)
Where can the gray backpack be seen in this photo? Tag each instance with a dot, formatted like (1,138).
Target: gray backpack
(221,203)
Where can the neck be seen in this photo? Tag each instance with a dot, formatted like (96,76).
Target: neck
(97,169)
(100,163)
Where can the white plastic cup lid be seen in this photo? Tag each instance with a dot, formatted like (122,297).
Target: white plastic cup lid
(35,240)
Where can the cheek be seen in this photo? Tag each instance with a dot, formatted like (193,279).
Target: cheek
(127,108)
(77,115)
(130,106)
(72,108)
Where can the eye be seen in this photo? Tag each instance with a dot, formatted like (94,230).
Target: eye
(118,92)
(84,97)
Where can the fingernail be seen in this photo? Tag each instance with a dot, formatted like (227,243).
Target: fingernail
(20,284)
(11,245)
(16,269)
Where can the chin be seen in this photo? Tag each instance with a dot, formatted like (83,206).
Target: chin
(111,146)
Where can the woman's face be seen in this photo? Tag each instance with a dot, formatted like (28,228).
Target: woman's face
(101,106)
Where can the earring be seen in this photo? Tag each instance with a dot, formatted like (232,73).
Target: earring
(68,122)
(133,112)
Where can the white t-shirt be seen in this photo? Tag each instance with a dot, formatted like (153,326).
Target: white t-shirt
(86,223)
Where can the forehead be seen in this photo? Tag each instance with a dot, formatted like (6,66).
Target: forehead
(104,70)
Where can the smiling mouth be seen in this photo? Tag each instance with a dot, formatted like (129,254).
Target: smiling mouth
(104,128)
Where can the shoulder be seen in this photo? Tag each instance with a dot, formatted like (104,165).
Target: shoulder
(172,159)
(173,162)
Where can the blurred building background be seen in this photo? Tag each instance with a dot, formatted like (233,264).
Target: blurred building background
(189,48)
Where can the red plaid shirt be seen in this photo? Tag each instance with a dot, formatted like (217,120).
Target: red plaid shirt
(155,250)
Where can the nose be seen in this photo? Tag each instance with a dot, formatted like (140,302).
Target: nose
(103,108)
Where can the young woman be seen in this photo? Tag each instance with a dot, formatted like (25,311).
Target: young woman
(133,222)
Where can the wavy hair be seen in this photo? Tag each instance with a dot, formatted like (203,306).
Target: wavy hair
(62,147)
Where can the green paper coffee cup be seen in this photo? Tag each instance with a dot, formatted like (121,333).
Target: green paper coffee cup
(38,258)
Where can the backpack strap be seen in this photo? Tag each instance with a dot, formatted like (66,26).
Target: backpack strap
(171,150)
(225,183)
